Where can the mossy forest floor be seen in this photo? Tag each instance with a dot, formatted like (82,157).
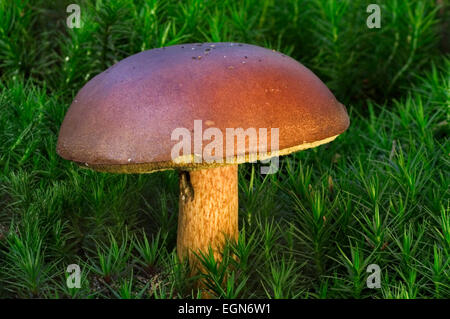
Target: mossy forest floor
(379,194)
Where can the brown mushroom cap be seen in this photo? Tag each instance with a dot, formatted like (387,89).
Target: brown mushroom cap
(122,119)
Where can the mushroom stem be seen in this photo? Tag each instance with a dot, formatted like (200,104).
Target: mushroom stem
(208,210)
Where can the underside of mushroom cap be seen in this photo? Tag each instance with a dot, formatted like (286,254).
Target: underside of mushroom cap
(123,119)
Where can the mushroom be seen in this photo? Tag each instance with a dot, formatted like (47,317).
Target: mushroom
(123,121)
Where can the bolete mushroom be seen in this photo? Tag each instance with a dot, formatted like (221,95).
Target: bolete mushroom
(123,121)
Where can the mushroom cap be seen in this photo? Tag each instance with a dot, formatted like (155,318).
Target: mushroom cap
(122,120)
